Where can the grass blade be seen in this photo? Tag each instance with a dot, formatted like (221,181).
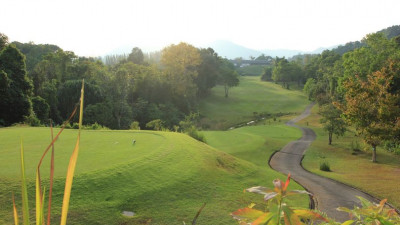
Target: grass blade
(51,176)
(71,166)
(39,201)
(16,222)
(24,191)
(42,208)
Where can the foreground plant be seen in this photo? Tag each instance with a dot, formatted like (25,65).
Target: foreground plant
(370,213)
(278,211)
(40,192)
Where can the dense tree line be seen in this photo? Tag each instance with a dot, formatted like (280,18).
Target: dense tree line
(164,86)
(357,84)
(360,88)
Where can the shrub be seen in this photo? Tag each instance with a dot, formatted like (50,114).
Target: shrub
(75,126)
(324,166)
(135,125)
(95,126)
(155,124)
(32,120)
(392,146)
(194,133)
(355,146)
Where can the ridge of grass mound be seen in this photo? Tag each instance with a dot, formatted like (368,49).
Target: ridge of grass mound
(163,178)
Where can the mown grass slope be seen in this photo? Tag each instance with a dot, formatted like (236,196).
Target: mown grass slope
(381,179)
(252,95)
(164,177)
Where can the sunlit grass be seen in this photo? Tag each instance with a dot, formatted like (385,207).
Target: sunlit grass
(164,177)
(252,95)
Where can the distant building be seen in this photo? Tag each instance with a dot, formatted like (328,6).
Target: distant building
(245,62)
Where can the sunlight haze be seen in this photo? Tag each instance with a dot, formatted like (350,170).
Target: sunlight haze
(94,28)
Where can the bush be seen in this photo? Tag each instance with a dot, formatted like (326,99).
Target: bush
(194,133)
(391,146)
(75,126)
(324,166)
(95,126)
(355,146)
(135,125)
(32,120)
(155,124)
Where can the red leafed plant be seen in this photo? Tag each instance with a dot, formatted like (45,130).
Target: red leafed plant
(278,212)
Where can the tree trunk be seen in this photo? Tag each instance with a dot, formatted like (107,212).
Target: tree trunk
(226,91)
(374,153)
(330,138)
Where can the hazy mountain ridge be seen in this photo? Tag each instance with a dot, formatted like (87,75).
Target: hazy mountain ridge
(232,50)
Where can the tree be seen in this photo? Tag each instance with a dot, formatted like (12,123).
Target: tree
(117,93)
(371,108)
(100,113)
(155,124)
(3,41)
(15,85)
(136,56)
(68,93)
(180,63)
(267,75)
(207,71)
(332,121)
(228,77)
(285,71)
(41,109)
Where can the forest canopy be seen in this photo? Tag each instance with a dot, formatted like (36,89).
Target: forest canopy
(39,83)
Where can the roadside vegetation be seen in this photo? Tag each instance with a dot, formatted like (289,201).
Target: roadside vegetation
(350,162)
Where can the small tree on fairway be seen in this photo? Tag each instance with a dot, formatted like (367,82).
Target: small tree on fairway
(332,121)
(228,76)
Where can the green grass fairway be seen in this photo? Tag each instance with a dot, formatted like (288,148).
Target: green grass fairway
(380,179)
(164,178)
(252,95)
(253,143)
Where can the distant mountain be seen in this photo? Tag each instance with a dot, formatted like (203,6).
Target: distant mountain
(231,50)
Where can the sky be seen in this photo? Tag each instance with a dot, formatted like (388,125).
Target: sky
(97,27)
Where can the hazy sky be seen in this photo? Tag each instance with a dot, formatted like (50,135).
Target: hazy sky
(96,27)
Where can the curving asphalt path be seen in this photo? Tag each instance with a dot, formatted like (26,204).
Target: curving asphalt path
(327,194)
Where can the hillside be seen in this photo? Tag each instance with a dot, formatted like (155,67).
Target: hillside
(247,101)
(164,177)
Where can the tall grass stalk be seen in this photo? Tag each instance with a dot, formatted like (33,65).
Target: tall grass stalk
(71,166)
(24,191)
(40,192)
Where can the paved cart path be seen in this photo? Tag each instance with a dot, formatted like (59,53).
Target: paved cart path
(327,194)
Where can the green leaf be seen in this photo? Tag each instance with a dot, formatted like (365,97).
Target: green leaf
(309,214)
(270,195)
(259,190)
(290,217)
(364,202)
(264,219)
(344,209)
(246,213)
(348,222)
(385,222)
